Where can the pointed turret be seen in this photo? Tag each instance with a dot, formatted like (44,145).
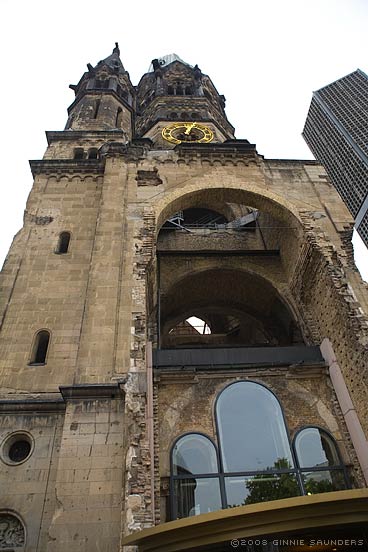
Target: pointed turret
(113,60)
(105,97)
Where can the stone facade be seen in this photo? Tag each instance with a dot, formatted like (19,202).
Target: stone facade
(100,415)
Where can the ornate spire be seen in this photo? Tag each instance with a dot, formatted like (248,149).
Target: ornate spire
(104,97)
(113,61)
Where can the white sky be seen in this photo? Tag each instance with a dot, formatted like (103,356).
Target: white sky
(265,56)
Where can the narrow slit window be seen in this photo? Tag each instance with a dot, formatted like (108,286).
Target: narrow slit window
(63,243)
(40,347)
(97,107)
(119,116)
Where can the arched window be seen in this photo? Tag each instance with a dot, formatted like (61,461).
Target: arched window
(78,153)
(249,414)
(40,347)
(320,464)
(255,460)
(253,438)
(196,485)
(63,243)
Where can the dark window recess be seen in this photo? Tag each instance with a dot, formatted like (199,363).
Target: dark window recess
(63,243)
(19,450)
(40,347)
(179,91)
(173,115)
(97,107)
(118,119)
(102,83)
(170,90)
(188,91)
(93,153)
(78,153)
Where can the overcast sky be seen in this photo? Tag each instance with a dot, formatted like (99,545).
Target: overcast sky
(265,56)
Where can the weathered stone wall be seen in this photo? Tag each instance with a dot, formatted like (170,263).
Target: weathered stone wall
(89,478)
(217,239)
(28,488)
(97,111)
(99,302)
(334,313)
(44,290)
(62,145)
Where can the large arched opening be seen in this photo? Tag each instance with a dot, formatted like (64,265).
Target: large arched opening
(240,308)
(225,255)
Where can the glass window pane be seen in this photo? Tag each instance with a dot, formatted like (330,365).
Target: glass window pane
(194,454)
(197,496)
(251,429)
(315,448)
(250,489)
(324,481)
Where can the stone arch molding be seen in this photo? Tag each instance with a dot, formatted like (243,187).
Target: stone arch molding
(229,191)
(12,532)
(226,190)
(278,290)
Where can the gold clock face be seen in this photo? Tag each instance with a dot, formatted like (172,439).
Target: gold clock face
(187,132)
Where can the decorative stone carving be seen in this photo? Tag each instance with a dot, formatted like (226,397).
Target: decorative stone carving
(11,532)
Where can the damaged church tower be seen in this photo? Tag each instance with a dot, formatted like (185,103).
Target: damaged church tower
(183,333)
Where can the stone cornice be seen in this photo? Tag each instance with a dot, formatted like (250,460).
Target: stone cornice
(92,391)
(230,148)
(58,135)
(296,162)
(32,405)
(99,92)
(62,166)
(57,403)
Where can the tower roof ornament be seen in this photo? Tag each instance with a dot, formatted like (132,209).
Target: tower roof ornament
(113,60)
(166,60)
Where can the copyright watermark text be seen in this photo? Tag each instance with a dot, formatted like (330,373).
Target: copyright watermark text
(285,543)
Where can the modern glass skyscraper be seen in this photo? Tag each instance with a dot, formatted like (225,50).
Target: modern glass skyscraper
(336,130)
